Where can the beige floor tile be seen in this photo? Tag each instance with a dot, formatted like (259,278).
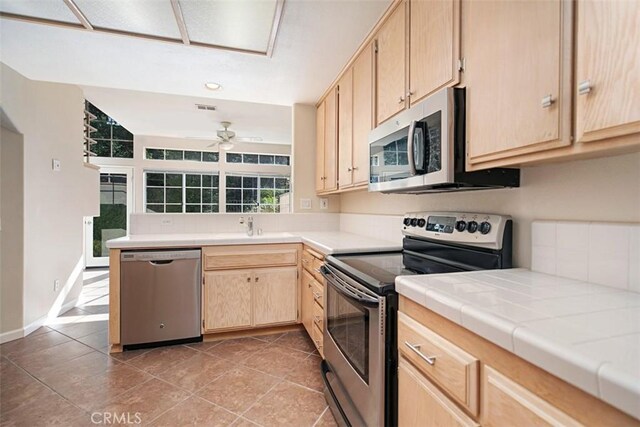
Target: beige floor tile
(48,411)
(327,420)
(238,349)
(243,422)
(238,389)
(82,327)
(268,338)
(162,358)
(275,360)
(298,340)
(98,340)
(288,404)
(195,412)
(307,373)
(126,356)
(197,371)
(148,400)
(32,344)
(77,369)
(204,346)
(17,388)
(38,362)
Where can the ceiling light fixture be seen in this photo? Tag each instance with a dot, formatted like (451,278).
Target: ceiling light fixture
(225,145)
(213,85)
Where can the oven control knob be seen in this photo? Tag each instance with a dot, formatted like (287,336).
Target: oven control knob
(414,222)
(407,221)
(472,227)
(485,227)
(461,226)
(422,223)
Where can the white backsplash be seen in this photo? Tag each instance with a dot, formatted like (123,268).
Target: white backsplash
(383,227)
(604,253)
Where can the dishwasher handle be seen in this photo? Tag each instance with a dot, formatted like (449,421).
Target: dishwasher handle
(164,262)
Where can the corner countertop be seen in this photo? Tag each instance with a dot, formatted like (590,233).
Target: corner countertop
(326,242)
(586,334)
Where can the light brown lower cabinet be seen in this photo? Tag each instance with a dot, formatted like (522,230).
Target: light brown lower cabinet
(505,402)
(312,296)
(275,299)
(420,403)
(227,299)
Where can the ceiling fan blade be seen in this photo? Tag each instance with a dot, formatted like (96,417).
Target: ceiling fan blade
(248,139)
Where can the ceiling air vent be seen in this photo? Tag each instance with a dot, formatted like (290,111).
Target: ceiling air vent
(206,107)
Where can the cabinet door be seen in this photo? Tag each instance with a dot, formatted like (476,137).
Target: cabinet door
(362,114)
(306,290)
(320,114)
(331,142)
(391,65)
(345,129)
(420,403)
(506,403)
(517,55)
(227,299)
(434,47)
(275,295)
(607,61)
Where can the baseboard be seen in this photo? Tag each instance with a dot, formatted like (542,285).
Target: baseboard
(35,325)
(11,335)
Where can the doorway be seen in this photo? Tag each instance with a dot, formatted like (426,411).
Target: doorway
(116,204)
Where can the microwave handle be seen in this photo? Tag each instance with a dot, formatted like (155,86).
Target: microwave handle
(412,160)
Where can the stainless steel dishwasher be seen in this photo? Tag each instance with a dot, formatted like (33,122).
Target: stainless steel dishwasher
(160,296)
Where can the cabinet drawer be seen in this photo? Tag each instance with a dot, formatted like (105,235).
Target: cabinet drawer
(317,263)
(318,316)
(447,365)
(307,261)
(317,338)
(318,292)
(229,257)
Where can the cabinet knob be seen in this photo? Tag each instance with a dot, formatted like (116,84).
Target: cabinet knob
(584,87)
(401,100)
(355,168)
(547,101)
(349,169)
(257,278)
(248,279)
(409,94)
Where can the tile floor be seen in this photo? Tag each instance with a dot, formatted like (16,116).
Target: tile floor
(62,375)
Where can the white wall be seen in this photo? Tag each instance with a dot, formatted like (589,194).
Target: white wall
(11,233)
(304,161)
(604,189)
(140,164)
(49,116)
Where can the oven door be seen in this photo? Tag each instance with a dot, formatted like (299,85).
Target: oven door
(354,348)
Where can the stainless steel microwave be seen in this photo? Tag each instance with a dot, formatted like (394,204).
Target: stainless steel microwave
(422,150)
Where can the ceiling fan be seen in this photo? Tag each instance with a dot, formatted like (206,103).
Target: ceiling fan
(227,138)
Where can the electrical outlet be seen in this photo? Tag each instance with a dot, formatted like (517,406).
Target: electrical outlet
(305,203)
(56,165)
(324,203)
(56,285)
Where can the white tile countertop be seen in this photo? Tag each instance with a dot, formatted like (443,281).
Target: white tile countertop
(326,242)
(583,333)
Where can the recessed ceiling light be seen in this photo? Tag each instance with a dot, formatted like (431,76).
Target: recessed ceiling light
(213,85)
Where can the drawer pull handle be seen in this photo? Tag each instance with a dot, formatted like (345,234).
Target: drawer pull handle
(416,349)
(317,319)
(584,87)
(317,270)
(547,101)
(317,295)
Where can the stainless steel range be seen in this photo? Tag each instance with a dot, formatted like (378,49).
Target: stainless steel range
(360,350)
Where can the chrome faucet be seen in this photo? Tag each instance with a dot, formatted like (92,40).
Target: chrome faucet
(249,226)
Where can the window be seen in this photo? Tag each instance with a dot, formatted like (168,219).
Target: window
(259,159)
(177,192)
(255,193)
(111,139)
(188,155)
(395,153)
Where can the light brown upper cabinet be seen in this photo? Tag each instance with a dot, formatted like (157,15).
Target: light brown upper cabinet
(607,70)
(345,130)
(362,114)
(434,46)
(391,62)
(355,120)
(327,144)
(518,78)
(418,50)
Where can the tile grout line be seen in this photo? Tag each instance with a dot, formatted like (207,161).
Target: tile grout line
(320,417)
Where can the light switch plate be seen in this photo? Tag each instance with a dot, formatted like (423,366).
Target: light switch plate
(56,165)
(305,203)
(324,203)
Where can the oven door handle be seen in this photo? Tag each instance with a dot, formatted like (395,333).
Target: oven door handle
(411,149)
(332,280)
